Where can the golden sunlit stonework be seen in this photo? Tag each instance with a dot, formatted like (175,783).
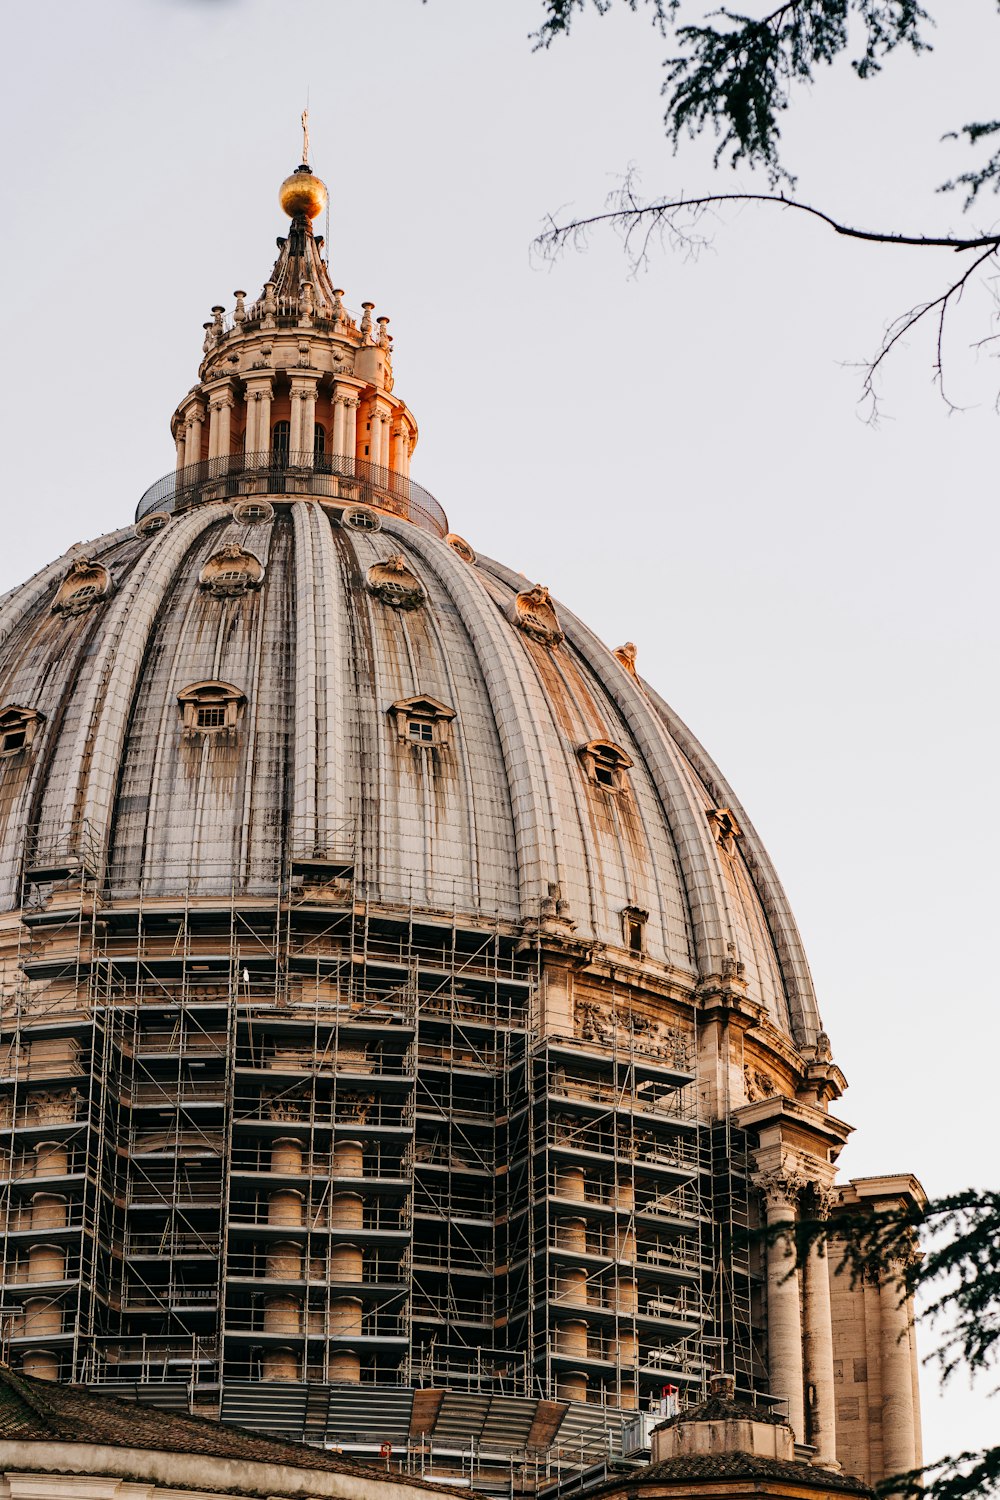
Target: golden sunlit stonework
(402,1020)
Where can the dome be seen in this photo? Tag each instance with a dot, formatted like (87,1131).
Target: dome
(555,790)
(401,1019)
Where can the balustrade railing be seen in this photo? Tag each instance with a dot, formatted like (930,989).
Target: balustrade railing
(276,472)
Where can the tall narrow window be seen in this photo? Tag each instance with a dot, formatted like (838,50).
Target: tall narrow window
(280,435)
(319,439)
(634,921)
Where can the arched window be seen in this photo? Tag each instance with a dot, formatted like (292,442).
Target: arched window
(280,435)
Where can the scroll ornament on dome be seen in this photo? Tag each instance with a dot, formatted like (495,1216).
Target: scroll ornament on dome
(625,657)
(87,583)
(535,614)
(231,571)
(392,582)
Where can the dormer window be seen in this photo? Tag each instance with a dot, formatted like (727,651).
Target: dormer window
(86,584)
(422,721)
(18,727)
(634,921)
(210,708)
(605,764)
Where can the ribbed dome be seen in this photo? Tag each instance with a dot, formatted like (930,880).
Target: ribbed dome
(481,755)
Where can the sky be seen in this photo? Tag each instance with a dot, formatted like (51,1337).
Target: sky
(678,453)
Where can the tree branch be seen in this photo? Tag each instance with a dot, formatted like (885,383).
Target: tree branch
(629,209)
(677,219)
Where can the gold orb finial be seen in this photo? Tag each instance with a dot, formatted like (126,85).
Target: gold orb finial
(303,193)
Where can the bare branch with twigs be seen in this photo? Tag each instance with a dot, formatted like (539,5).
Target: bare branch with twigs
(676,220)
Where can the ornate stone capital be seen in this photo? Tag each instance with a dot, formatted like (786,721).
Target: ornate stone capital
(821,1199)
(781,1188)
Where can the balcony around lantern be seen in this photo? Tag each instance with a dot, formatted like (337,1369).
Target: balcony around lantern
(329,476)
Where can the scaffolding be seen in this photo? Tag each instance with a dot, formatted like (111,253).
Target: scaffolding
(284,1137)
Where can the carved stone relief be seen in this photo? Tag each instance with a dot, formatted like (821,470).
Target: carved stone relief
(757,1084)
(86,584)
(394,584)
(627,1028)
(230,572)
(535,614)
(625,656)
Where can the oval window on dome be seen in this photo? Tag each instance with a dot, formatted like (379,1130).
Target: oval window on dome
(361,518)
(86,584)
(152,523)
(459,545)
(253,512)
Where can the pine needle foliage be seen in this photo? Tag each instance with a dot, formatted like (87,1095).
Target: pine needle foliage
(946,1256)
(734,76)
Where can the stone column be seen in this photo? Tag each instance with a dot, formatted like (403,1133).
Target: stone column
(308,418)
(303,416)
(818,1342)
(899,1447)
(337,431)
(219,423)
(295,423)
(379,443)
(192,444)
(400,449)
(258,402)
(784,1322)
(347,408)
(179,436)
